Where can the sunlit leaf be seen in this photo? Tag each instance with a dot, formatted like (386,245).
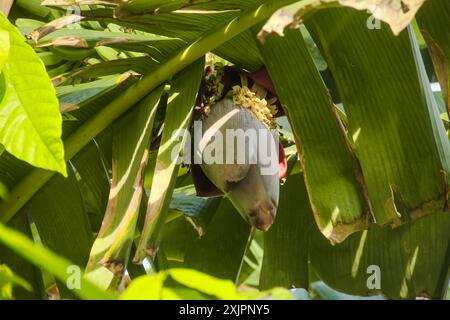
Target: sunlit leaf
(29,117)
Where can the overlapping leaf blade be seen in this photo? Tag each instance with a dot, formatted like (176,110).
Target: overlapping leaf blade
(93,171)
(179,111)
(131,140)
(327,158)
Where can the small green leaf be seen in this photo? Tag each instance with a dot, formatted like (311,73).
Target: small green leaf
(222,289)
(145,288)
(272,294)
(193,285)
(30,121)
(188,284)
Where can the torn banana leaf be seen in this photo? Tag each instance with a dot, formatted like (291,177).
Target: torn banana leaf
(190,25)
(140,65)
(333,178)
(93,102)
(409,261)
(397,13)
(392,117)
(54,25)
(179,111)
(131,140)
(72,97)
(86,38)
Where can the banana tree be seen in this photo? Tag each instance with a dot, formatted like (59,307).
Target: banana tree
(96,98)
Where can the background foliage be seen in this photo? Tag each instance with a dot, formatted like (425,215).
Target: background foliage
(90,92)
